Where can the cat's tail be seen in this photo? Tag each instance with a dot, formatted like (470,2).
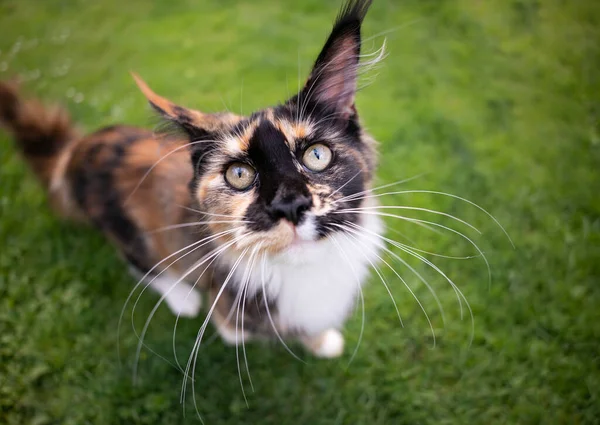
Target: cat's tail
(41,133)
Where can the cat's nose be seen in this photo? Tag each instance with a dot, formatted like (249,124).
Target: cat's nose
(292,209)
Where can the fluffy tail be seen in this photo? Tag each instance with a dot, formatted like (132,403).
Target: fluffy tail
(41,133)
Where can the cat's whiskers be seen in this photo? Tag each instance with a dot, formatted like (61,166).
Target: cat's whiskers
(299,88)
(192,360)
(205,241)
(432,192)
(351,233)
(322,120)
(403,207)
(266,300)
(457,291)
(227,108)
(211,214)
(242,299)
(435,254)
(362,298)
(214,258)
(412,269)
(242,98)
(344,185)
(346,228)
(359,195)
(194,224)
(195,245)
(404,247)
(190,270)
(431,223)
(161,159)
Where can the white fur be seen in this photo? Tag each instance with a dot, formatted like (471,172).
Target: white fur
(332,344)
(316,284)
(181,298)
(231,337)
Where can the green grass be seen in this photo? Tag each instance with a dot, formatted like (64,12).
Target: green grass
(496,101)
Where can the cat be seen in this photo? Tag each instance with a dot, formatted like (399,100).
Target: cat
(257,213)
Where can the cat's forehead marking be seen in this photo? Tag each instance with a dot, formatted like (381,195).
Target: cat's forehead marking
(294,130)
(238,142)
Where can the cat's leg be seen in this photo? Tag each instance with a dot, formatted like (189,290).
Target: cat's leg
(327,344)
(181,298)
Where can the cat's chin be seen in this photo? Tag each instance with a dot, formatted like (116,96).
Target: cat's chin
(284,240)
(298,246)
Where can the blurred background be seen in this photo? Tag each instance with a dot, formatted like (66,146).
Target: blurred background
(494,101)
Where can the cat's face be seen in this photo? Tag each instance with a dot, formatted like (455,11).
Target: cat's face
(282,176)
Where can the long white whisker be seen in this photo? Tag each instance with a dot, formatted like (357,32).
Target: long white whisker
(412,269)
(141,280)
(462,235)
(401,207)
(435,254)
(407,287)
(162,298)
(374,268)
(269,312)
(362,299)
(204,241)
(436,268)
(357,195)
(242,300)
(394,243)
(458,292)
(451,196)
(192,224)
(210,214)
(147,173)
(243,307)
(220,251)
(344,185)
(192,361)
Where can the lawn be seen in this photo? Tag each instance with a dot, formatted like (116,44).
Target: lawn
(494,101)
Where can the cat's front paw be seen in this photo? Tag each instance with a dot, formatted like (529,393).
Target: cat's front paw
(184,302)
(328,344)
(233,336)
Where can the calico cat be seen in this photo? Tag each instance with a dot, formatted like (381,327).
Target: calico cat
(258,212)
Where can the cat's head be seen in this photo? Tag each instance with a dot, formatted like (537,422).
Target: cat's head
(283,174)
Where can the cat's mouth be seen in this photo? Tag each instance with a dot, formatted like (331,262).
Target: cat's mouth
(283,237)
(304,233)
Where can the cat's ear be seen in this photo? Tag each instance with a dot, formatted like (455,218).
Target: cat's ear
(201,129)
(333,79)
(196,124)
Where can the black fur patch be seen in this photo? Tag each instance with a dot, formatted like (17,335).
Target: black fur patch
(280,182)
(96,193)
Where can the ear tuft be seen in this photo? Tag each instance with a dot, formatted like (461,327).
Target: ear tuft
(332,82)
(353,10)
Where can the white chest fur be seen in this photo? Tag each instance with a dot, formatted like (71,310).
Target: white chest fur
(315,286)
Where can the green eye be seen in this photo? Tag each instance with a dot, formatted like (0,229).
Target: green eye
(317,157)
(240,176)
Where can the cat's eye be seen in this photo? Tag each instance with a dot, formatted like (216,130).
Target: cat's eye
(240,176)
(317,157)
